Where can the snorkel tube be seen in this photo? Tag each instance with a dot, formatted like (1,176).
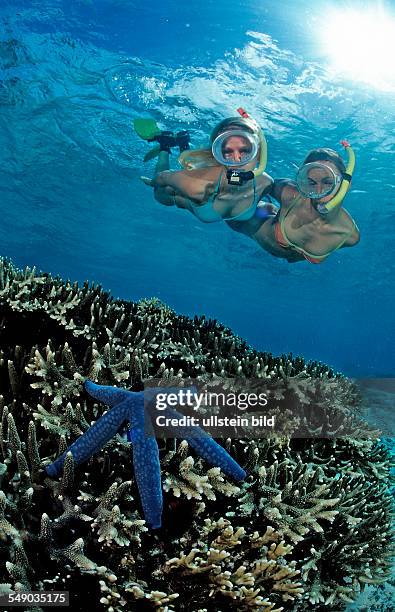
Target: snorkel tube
(345,184)
(260,169)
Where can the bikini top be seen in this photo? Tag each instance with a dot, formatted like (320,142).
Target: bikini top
(284,241)
(206,212)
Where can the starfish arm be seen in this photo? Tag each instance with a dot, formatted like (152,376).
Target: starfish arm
(106,394)
(206,447)
(146,466)
(95,437)
(215,454)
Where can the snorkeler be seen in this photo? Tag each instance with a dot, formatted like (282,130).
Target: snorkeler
(310,223)
(223,182)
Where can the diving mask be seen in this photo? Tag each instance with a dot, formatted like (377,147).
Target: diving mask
(317,180)
(235,148)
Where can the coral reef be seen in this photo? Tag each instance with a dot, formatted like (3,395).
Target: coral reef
(308,529)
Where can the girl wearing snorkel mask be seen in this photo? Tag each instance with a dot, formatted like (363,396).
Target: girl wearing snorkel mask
(223,182)
(310,223)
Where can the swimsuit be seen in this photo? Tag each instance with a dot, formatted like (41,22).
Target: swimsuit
(283,240)
(206,213)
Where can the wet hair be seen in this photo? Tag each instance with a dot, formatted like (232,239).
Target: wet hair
(324,154)
(203,158)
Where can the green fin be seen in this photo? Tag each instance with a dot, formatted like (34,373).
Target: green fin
(151,154)
(147,129)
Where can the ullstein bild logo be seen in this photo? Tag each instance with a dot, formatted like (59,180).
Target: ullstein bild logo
(215,421)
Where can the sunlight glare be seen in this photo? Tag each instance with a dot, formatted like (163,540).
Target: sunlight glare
(361,44)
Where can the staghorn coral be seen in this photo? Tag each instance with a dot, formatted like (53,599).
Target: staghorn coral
(183,478)
(219,556)
(309,528)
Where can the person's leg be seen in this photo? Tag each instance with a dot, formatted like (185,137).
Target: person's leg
(163,162)
(167,140)
(162,194)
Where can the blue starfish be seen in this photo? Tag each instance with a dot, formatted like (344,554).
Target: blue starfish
(128,406)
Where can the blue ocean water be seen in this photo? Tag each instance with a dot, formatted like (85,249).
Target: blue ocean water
(74,75)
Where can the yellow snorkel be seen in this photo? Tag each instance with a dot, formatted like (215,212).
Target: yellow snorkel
(345,184)
(260,169)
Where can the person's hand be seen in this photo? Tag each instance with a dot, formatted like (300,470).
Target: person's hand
(178,200)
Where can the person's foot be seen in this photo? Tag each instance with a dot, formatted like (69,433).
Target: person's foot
(182,140)
(166,141)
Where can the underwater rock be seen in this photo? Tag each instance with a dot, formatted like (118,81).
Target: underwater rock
(308,529)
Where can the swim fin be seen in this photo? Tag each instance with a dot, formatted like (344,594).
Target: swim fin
(147,129)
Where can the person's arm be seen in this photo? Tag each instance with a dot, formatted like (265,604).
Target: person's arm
(185,184)
(250,227)
(354,238)
(169,197)
(164,195)
(167,187)
(279,189)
